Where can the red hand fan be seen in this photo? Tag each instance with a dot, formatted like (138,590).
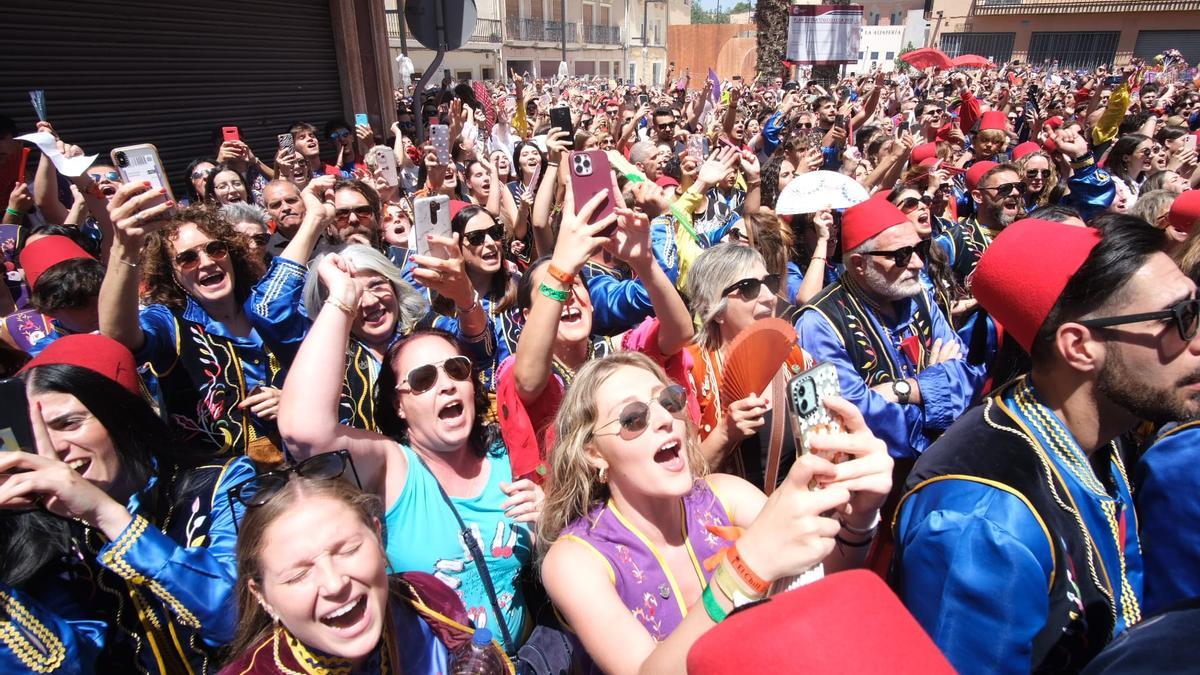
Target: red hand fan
(754,357)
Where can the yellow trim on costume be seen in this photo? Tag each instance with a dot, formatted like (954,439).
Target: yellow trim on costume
(833,327)
(150,623)
(179,648)
(687,544)
(717,494)
(417,604)
(612,576)
(999,486)
(254,657)
(654,552)
(14,634)
(178,346)
(114,559)
(1182,427)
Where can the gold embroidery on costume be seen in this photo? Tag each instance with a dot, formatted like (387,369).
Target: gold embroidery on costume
(31,641)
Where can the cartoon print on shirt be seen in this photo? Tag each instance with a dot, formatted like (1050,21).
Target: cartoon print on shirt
(459,572)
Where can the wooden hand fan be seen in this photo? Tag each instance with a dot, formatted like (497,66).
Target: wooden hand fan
(754,357)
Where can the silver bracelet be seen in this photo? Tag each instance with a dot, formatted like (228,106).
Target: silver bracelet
(868,532)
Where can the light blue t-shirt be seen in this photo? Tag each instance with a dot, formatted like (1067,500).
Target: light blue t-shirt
(423,535)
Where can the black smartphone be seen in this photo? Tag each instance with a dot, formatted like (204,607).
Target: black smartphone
(560,117)
(1113,80)
(16,433)
(643,99)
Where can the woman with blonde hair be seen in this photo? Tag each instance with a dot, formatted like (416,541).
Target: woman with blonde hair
(630,514)
(1039,174)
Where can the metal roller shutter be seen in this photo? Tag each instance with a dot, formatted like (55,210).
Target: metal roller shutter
(145,71)
(1153,42)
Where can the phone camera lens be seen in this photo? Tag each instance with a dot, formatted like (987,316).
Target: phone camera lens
(122,160)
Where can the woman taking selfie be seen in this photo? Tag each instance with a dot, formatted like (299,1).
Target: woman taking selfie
(127,562)
(628,511)
(438,471)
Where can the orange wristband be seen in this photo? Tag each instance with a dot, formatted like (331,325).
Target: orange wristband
(747,575)
(562,276)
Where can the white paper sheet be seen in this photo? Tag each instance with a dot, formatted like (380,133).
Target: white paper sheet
(74,166)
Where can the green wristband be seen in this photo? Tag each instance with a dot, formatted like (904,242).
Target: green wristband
(714,609)
(13,212)
(554,293)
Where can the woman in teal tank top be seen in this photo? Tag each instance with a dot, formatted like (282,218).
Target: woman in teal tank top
(440,469)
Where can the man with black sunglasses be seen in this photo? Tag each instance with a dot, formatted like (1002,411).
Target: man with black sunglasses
(999,197)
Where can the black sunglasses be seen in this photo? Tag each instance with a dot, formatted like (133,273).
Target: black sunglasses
(748,289)
(1034,173)
(258,490)
(1184,313)
(477,237)
(913,202)
(340,134)
(739,236)
(422,378)
(667,125)
(364,211)
(215,250)
(901,256)
(197,175)
(1005,188)
(635,417)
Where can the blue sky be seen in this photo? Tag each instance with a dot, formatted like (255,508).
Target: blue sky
(712,4)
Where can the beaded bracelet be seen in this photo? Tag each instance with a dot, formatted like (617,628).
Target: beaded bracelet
(554,293)
(334,302)
(713,608)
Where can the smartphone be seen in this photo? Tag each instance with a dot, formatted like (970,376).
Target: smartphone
(560,117)
(591,173)
(439,135)
(697,147)
(806,395)
(840,121)
(643,99)
(901,128)
(230,134)
(16,433)
(361,120)
(1189,142)
(138,163)
(385,159)
(287,143)
(431,215)
(1113,80)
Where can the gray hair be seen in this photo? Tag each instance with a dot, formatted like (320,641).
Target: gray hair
(1150,204)
(712,272)
(643,151)
(412,304)
(241,212)
(865,247)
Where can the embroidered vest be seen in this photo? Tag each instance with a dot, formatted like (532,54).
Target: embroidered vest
(970,241)
(360,389)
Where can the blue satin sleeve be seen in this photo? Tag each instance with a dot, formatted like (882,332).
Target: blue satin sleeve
(1092,190)
(74,643)
(974,568)
(160,347)
(794,278)
(662,243)
(276,308)
(770,133)
(947,388)
(833,158)
(1166,481)
(617,304)
(194,582)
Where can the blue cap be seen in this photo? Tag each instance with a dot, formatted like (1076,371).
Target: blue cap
(482,637)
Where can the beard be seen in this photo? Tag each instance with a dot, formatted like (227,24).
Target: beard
(996,211)
(1119,384)
(878,285)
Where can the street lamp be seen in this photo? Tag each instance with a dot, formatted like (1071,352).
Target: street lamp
(645,19)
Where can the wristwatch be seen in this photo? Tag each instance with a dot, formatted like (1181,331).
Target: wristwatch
(902,389)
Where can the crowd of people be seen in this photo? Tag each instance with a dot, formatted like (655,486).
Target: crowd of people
(273,432)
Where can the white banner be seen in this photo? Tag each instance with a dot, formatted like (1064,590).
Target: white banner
(824,34)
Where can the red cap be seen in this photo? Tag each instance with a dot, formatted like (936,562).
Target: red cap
(993,119)
(857,621)
(1026,148)
(1185,210)
(1053,122)
(867,219)
(1082,94)
(47,252)
(457,205)
(975,173)
(97,353)
(1025,269)
(923,152)
(930,163)
(665,181)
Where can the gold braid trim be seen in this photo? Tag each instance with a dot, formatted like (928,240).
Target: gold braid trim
(114,559)
(15,633)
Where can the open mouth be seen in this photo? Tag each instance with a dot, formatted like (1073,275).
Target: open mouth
(668,456)
(234,198)
(210,280)
(108,189)
(570,314)
(374,315)
(450,411)
(490,255)
(348,615)
(80,465)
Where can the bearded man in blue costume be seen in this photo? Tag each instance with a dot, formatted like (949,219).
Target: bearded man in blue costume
(1016,541)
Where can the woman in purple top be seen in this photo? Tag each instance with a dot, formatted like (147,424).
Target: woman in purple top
(625,527)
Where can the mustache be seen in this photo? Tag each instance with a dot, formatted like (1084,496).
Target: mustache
(1194,378)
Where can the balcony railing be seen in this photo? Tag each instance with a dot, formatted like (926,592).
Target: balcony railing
(996,7)
(486,30)
(601,35)
(540,30)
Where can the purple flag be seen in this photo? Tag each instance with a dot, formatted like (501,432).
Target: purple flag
(716,85)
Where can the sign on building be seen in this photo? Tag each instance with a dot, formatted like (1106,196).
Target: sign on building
(823,34)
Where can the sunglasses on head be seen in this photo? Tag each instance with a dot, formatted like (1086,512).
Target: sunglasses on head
(749,289)
(635,417)
(739,236)
(477,237)
(110,176)
(1183,313)
(422,378)
(1006,188)
(215,250)
(1037,173)
(364,211)
(339,135)
(203,173)
(256,491)
(910,204)
(902,256)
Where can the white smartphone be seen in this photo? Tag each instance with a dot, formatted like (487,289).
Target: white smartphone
(439,135)
(431,215)
(385,160)
(140,163)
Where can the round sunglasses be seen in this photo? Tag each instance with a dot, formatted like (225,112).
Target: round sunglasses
(748,289)
(215,250)
(477,237)
(422,378)
(635,417)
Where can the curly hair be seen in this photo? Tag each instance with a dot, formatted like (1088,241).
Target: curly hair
(1051,182)
(770,178)
(70,284)
(159,284)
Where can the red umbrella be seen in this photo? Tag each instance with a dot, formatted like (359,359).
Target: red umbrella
(927,57)
(972,61)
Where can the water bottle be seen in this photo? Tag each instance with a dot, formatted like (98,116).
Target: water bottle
(477,657)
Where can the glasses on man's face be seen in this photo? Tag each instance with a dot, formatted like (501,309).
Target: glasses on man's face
(666,125)
(902,256)
(111,176)
(1183,313)
(635,417)
(339,134)
(1034,174)
(254,492)
(477,237)
(343,214)
(215,250)
(422,378)
(910,204)
(748,289)
(1005,189)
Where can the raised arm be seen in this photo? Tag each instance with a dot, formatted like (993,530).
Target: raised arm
(631,243)
(547,191)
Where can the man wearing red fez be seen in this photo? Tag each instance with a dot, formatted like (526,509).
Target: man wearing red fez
(897,357)
(999,197)
(1016,542)
(64,284)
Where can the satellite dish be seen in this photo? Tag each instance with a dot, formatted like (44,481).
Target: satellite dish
(456,19)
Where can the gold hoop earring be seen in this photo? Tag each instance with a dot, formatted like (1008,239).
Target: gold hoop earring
(603,475)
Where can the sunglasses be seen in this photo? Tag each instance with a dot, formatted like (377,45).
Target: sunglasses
(477,237)
(256,491)
(422,378)
(910,204)
(260,239)
(364,211)
(902,256)
(339,135)
(1035,173)
(749,289)
(635,417)
(215,250)
(1184,313)
(1145,152)
(1007,188)
(110,176)
(739,236)
(667,125)
(197,175)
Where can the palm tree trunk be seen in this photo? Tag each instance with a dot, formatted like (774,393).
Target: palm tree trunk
(771,16)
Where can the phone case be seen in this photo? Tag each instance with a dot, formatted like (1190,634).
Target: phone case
(287,142)
(15,431)
(560,117)
(697,147)
(591,173)
(439,135)
(385,159)
(805,395)
(230,134)
(138,163)
(431,215)
(361,119)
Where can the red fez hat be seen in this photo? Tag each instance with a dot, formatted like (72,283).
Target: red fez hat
(993,119)
(665,181)
(930,163)
(923,152)
(1026,148)
(1053,122)
(867,219)
(854,621)
(457,205)
(97,353)
(975,173)
(47,252)
(1185,210)
(1025,269)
